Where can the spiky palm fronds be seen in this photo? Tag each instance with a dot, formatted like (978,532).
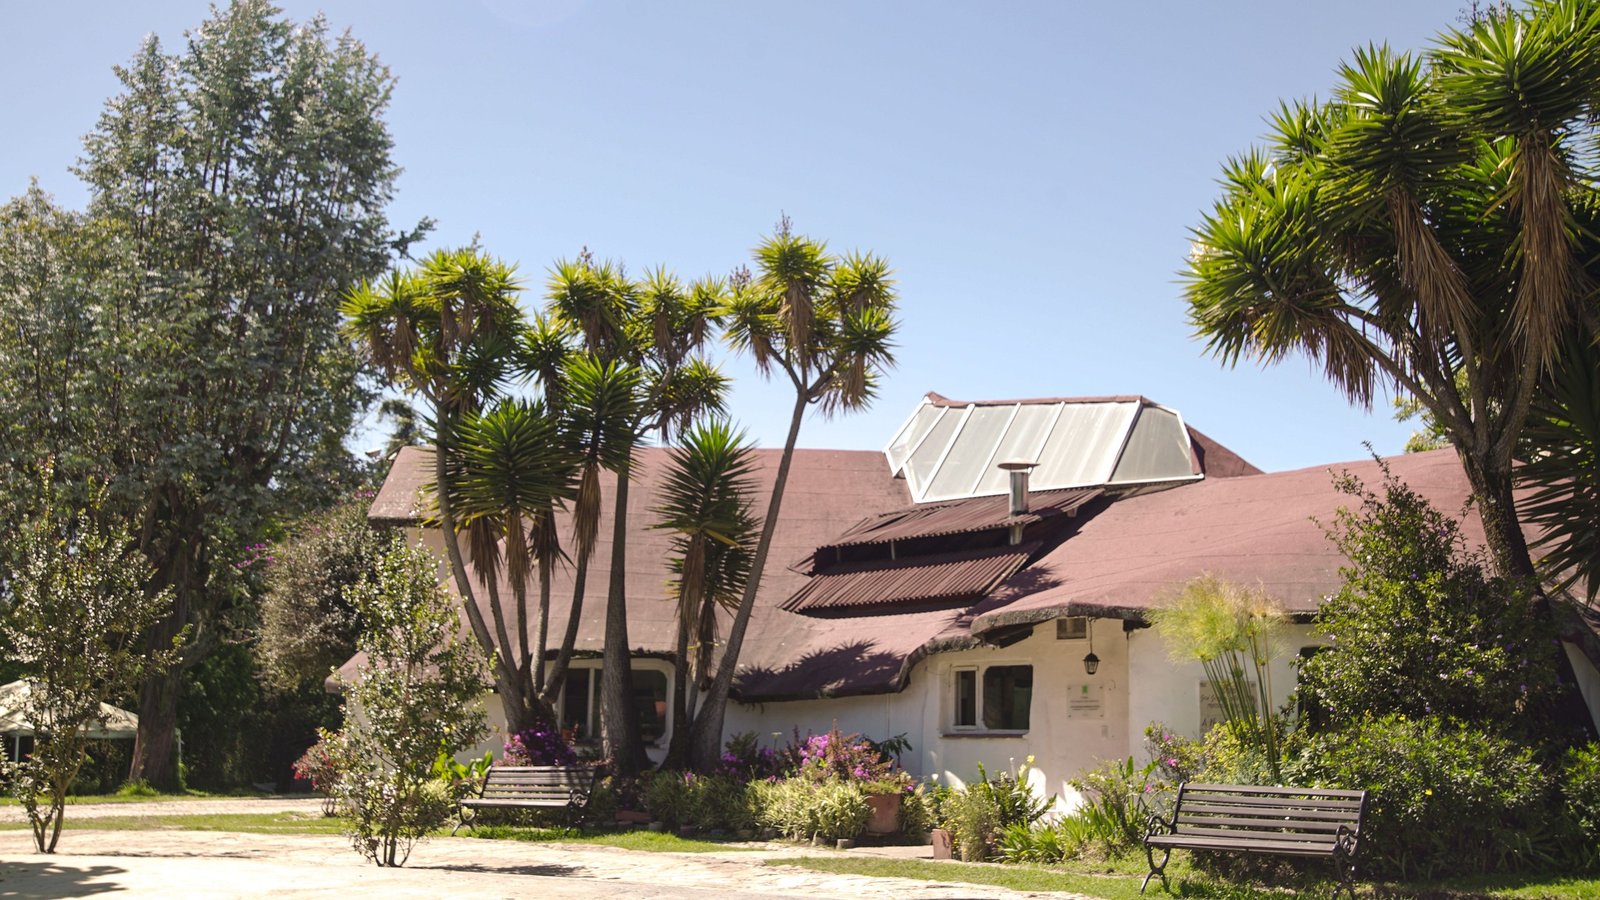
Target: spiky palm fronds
(1562,470)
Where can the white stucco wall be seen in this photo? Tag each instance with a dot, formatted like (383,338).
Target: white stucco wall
(1168,692)
(1588,680)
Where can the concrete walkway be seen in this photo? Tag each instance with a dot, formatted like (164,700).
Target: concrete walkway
(224,864)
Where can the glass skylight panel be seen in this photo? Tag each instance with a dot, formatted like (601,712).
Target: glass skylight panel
(904,442)
(924,460)
(1157,449)
(1023,440)
(1083,446)
(971,453)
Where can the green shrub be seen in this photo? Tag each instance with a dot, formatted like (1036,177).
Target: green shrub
(916,813)
(802,809)
(1579,791)
(1114,802)
(677,799)
(1444,797)
(1422,628)
(976,815)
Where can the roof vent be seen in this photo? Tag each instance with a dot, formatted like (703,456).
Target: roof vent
(1018,469)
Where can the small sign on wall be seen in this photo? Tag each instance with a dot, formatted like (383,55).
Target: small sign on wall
(1211,710)
(1086,701)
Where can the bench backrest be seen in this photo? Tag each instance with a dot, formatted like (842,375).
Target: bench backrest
(536,783)
(1303,815)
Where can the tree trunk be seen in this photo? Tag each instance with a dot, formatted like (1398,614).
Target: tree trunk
(543,640)
(705,743)
(1502,530)
(155,743)
(678,745)
(558,669)
(619,720)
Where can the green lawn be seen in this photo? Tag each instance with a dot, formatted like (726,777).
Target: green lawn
(1115,881)
(143,797)
(655,841)
(255,823)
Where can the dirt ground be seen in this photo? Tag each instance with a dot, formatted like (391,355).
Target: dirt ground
(225,864)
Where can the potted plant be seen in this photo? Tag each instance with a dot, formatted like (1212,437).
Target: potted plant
(885,794)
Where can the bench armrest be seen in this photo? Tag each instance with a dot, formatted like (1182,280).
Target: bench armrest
(1344,840)
(1155,825)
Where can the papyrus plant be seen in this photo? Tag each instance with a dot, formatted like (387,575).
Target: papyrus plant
(1229,628)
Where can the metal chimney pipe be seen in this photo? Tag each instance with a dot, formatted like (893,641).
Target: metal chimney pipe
(1018,468)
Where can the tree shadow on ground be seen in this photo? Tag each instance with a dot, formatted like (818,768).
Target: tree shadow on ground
(547,870)
(48,878)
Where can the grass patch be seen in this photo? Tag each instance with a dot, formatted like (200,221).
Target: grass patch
(137,794)
(1118,880)
(252,823)
(652,841)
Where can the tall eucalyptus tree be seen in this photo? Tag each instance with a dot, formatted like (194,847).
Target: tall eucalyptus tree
(236,187)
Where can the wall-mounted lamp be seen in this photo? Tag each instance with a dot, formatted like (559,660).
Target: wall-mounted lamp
(1091,662)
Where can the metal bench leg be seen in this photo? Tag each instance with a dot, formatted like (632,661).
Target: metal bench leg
(467,816)
(1344,869)
(1156,870)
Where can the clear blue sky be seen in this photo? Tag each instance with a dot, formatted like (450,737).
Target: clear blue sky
(1031,170)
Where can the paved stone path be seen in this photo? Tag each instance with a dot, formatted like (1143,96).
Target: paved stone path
(225,864)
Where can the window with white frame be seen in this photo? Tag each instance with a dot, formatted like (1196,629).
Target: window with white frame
(991,698)
(580,703)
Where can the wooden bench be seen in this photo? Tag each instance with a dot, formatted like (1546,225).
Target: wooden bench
(532,787)
(1280,821)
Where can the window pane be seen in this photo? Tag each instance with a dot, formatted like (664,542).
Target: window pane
(1156,449)
(966,698)
(650,702)
(920,465)
(971,452)
(1022,440)
(1007,694)
(900,447)
(575,703)
(1083,446)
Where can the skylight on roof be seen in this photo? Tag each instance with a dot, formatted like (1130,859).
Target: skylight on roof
(948,451)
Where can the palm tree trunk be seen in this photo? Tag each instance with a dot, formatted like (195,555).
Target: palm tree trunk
(706,740)
(619,720)
(678,746)
(558,670)
(543,638)
(1502,531)
(458,569)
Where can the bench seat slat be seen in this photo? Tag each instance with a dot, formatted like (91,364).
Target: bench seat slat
(1198,842)
(1305,837)
(1347,816)
(1309,826)
(1214,797)
(1236,789)
(510,804)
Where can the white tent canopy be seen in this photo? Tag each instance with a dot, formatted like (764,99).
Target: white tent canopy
(114,722)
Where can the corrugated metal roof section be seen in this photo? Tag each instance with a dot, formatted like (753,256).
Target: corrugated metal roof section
(949,450)
(960,517)
(942,576)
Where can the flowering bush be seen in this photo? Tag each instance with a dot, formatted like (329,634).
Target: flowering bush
(322,765)
(843,757)
(541,745)
(745,760)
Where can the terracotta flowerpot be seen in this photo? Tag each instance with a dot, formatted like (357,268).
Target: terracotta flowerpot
(885,813)
(942,845)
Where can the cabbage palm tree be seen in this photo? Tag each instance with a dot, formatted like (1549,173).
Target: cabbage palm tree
(1562,469)
(511,467)
(826,324)
(445,332)
(658,327)
(705,501)
(1429,229)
